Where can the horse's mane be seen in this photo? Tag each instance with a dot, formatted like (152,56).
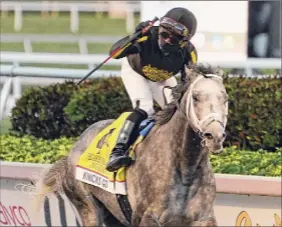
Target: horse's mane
(163,116)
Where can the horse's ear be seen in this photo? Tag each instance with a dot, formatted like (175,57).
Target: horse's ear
(188,70)
(220,72)
(190,73)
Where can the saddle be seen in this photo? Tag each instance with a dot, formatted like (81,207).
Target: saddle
(91,166)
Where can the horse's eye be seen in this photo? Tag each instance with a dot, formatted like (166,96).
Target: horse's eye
(195,97)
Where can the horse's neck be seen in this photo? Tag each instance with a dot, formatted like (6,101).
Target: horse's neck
(192,161)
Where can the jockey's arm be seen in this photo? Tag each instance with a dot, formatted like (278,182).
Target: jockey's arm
(191,60)
(127,49)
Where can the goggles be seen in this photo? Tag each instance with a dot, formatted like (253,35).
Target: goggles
(174,26)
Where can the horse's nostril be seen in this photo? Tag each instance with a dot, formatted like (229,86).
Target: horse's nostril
(208,135)
(223,136)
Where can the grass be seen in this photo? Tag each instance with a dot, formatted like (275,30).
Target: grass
(89,23)
(55,47)
(12,47)
(93,48)
(99,47)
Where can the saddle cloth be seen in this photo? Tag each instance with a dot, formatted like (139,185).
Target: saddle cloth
(91,167)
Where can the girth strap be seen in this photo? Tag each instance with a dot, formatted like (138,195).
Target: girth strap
(125,206)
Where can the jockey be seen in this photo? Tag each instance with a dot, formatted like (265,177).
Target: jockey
(151,63)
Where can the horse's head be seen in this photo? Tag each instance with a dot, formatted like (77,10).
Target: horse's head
(205,103)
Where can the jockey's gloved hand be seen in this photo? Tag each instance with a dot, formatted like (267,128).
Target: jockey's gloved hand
(142,25)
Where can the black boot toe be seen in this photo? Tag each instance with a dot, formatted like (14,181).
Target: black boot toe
(118,162)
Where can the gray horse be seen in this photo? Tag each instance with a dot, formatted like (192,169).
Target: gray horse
(171,182)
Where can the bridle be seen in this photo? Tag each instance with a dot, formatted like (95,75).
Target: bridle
(191,114)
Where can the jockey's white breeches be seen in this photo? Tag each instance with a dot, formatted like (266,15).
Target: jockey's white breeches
(142,91)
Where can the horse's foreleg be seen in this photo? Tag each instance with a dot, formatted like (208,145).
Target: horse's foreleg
(90,212)
(150,219)
(88,218)
(88,207)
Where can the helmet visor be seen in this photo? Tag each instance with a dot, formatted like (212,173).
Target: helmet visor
(174,26)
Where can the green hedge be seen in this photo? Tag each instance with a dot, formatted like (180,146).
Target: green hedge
(103,98)
(40,112)
(66,109)
(255,109)
(254,120)
(33,150)
(232,161)
(261,162)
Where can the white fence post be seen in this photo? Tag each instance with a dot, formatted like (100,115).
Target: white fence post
(249,71)
(12,98)
(83,46)
(17,90)
(4,96)
(18,18)
(27,46)
(129,21)
(55,9)
(44,8)
(74,20)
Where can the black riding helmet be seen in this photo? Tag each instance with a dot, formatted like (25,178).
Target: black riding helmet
(184,17)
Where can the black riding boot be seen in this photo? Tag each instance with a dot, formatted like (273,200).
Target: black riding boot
(128,134)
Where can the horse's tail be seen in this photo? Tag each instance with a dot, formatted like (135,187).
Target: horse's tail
(51,181)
